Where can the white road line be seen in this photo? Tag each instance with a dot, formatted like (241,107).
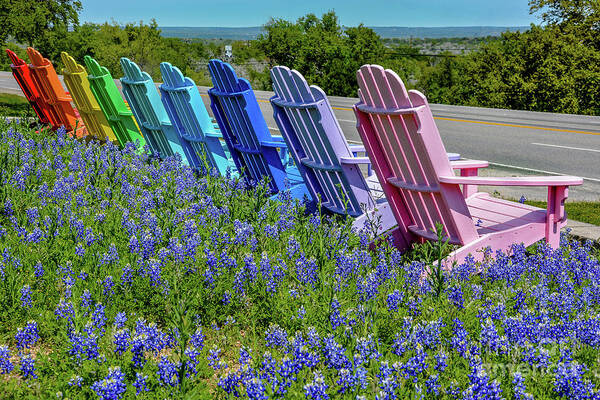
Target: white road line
(347,120)
(566,147)
(538,171)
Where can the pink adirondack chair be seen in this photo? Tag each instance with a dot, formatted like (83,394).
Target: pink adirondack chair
(409,158)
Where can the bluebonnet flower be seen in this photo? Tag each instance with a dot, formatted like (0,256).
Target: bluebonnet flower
(522,199)
(32,215)
(214,359)
(226,298)
(197,339)
(255,389)
(230,383)
(335,354)
(455,295)
(38,270)
(307,271)
(441,361)
(127,275)
(347,381)
(275,336)
(481,386)
(27,336)
(245,356)
(366,347)
(433,385)
(28,367)
(112,387)
(108,284)
(64,310)
(387,382)
(476,291)
(120,320)
(140,384)
(335,318)
(86,300)
(414,366)
(317,389)
(569,381)
(192,361)
(84,345)
(26,297)
(301,313)
(76,381)
(519,388)
(99,318)
(394,300)
(121,341)
(167,373)
(6,365)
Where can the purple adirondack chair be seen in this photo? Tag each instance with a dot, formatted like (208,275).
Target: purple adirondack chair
(324,158)
(409,158)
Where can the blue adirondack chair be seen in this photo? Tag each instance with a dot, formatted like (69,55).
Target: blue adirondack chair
(253,148)
(188,114)
(327,162)
(149,112)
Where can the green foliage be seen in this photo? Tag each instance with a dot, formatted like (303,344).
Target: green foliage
(583,211)
(15,106)
(28,20)
(324,52)
(543,69)
(142,43)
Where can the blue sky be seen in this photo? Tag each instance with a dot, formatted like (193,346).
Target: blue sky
(233,13)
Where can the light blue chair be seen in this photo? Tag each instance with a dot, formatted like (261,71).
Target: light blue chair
(190,119)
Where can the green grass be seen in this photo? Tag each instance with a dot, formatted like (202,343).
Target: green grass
(12,105)
(583,211)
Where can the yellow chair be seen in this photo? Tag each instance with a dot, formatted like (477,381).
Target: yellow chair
(75,77)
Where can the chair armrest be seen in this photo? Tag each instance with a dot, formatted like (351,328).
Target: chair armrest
(355,160)
(469,164)
(274,143)
(560,180)
(355,148)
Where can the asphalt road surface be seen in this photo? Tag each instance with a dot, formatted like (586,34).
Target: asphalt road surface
(520,141)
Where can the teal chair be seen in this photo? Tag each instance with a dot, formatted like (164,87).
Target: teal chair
(149,112)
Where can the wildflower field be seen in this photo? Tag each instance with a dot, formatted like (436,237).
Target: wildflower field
(127,277)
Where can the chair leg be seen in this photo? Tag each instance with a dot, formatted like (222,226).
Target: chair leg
(555,214)
(469,190)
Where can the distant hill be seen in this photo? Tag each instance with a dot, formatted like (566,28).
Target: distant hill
(249,33)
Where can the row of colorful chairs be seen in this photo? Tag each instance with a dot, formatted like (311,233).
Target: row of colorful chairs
(414,187)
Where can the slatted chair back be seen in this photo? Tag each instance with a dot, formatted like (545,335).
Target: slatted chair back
(243,126)
(53,94)
(118,115)
(190,118)
(24,78)
(408,155)
(152,118)
(317,144)
(75,77)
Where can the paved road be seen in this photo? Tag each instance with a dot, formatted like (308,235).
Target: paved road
(530,142)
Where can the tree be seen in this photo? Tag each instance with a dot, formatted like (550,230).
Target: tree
(581,17)
(28,20)
(325,53)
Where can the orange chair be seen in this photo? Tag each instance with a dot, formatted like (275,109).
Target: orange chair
(53,94)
